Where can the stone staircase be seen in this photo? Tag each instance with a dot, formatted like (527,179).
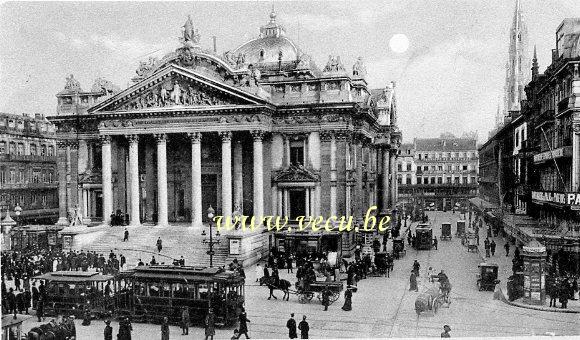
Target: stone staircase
(178,240)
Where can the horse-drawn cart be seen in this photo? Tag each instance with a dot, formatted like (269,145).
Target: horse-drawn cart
(431,300)
(306,291)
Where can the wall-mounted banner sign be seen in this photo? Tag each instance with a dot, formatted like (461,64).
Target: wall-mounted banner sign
(565,198)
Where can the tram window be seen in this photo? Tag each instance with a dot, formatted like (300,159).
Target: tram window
(203,289)
(154,290)
(166,292)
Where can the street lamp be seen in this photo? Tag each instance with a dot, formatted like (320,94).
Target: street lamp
(211,242)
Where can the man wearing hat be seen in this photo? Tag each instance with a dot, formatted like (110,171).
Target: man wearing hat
(108,333)
(446,330)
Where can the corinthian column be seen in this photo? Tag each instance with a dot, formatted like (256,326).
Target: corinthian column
(393,178)
(107,178)
(134,178)
(162,219)
(385,178)
(238,176)
(62,190)
(258,174)
(226,173)
(196,209)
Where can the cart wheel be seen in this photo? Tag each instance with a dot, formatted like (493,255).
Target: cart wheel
(334,296)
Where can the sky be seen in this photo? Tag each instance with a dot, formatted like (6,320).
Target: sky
(450,79)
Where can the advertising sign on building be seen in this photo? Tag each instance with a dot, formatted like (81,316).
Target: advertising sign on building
(571,199)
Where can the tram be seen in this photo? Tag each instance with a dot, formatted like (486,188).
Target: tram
(150,293)
(73,292)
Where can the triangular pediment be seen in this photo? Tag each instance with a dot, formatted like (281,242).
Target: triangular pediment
(296,173)
(175,86)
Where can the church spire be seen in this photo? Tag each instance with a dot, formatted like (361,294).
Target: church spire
(518,65)
(535,64)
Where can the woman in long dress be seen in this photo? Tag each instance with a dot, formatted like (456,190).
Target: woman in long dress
(347,300)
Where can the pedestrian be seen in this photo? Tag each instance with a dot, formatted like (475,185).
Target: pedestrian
(291,325)
(289,263)
(153,262)
(159,244)
(40,309)
(553,292)
(27,297)
(413,282)
(243,318)
(165,329)
(326,298)
(20,301)
(125,329)
(506,246)
(376,245)
(575,289)
(304,328)
(185,321)
(108,332)
(486,246)
(35,296)
(209,325)
(430,273)
(259,272)
(416,267)
(564,292)
(435,242)
(347,300)
(492,246)
(446,330)
(126,238)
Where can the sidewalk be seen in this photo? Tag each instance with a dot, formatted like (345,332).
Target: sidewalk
(505,271)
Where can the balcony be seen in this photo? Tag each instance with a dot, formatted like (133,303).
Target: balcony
(563,105)
(442,185)
(28,186)
(27,158)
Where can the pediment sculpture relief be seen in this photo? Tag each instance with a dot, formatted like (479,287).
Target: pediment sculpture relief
(175,93)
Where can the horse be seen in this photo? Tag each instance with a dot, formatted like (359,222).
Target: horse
(283,285)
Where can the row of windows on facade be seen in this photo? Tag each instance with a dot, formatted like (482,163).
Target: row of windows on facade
(434,180)
(297,155)
(553,96)
(31,126)
(311,87)
(556,136)
(19,176)
(449,167)
(553,180)
(20,150)
(28,201)
(446,155)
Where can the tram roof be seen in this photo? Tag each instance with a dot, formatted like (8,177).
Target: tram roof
(74,276)
(187,273)
(9,320)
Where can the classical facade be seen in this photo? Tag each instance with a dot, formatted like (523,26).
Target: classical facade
(259,130)
(28,176)
(446,171)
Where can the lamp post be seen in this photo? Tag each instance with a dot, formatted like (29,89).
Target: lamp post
(17,212)
(211,242)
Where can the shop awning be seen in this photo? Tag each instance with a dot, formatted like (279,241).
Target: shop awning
(481,204)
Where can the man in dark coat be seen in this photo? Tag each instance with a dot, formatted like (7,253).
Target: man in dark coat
(11,301)
(108,332)
(27,297)
(19,298)
(35,296)
(326,298)
(159,244)
(126,238)
(165,329)
(291,325)
(492,246)
(413,282)
(304,328)
(40,309)
(243,318)
(506,246)
(185,321)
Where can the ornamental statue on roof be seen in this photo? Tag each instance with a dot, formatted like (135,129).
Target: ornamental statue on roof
(104,86)
(358,69)
(333,65)
(72,84)
(191,36)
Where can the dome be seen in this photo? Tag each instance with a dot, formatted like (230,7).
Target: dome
(267,48)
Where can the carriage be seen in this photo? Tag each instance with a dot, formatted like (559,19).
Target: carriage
(306,290)
(150,293)
(471,241)
(460,228)
(487,277)
(382,263)
(446,231)
(432,300)
(424,236)
(63,330)
(76,292)
(398,247)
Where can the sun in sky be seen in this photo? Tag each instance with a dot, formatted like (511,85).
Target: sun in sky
(399,43)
